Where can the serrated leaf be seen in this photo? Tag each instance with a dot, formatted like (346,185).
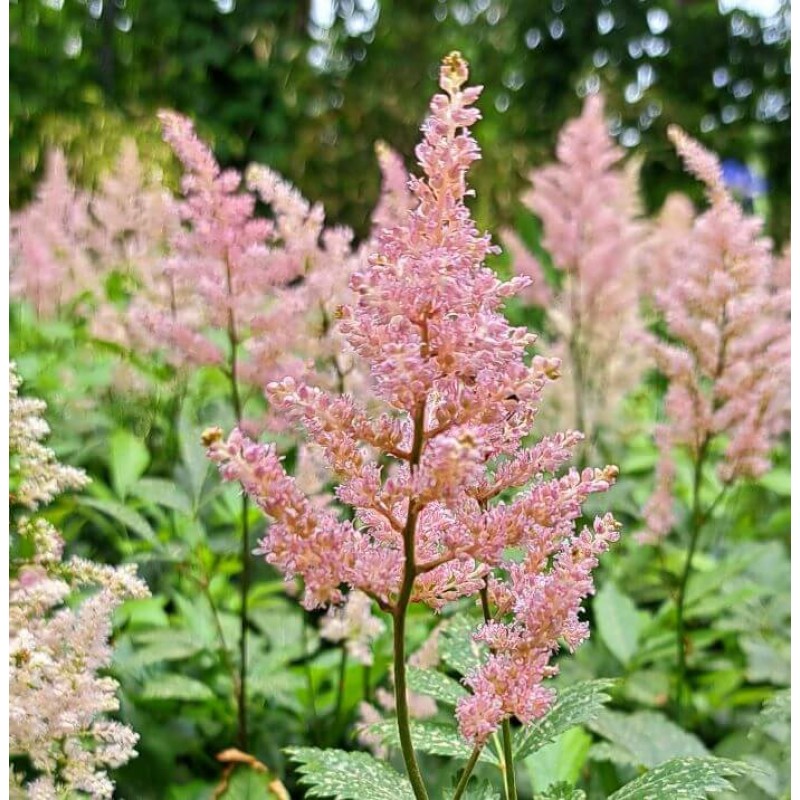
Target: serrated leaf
(645,738)
(775,717)
(127,517)
(176,687)
(575,705)
(436,738)
(618,622)
(163,493)
(348,776)
(561,791)
(457,647)
(435,684)
(128,459)
(686,778)
(768,659)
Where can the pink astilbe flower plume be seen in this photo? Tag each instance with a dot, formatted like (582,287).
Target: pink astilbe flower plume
(726,307)
(252,294)
(395,198)
(50,267)
(134,218)
(459,392)
(214,261)
(587,203)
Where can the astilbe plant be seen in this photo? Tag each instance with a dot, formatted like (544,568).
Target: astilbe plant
(726,310)
(50,267)
(69,241)
(59,632)
(256,293)
(252,295)
(133,220)
(588,206)
(423,476)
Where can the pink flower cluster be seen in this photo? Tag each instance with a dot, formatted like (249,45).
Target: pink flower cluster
(67,243)
(459,394)
(50,267)
(587,203)
(726,307)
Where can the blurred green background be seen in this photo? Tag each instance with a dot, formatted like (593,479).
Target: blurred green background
(308,86)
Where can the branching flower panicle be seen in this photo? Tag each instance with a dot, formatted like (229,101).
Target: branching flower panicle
(50,265)
(588,205)
(726,307)
(460,393)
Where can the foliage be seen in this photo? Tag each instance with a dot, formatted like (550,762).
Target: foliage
(279,83)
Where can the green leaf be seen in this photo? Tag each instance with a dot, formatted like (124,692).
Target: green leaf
(768,659)
(192,454)
(561,791)
(618,622)
(128,459)
(779,481)
(644,738)
(434,684)
(575,705)
(163,493)
(775,717)
(159,645)
(457,647)
(176,687)
(436,738)
(559,762)
(475,791)
(127,517)
(248,784)
(686,778)
(348,776)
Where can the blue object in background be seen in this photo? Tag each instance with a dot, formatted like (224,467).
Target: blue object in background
(743,182)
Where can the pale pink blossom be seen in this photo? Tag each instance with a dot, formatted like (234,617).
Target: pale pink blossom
(726,307)
(50,265)
(587,202)
(59,633)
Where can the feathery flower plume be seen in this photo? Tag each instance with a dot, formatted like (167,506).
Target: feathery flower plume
(133,221)
(50,267)
(726,307)
(588,206)
(664,243)
(57,647)
(459,394)
(395,198)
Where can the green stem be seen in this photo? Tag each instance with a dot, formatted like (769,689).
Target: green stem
(340,689)
(508,760)
(224,653)
(243,625)
(312,701)
(365,682)
(696,525)
(510,779)
(244,585)
(467,773)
